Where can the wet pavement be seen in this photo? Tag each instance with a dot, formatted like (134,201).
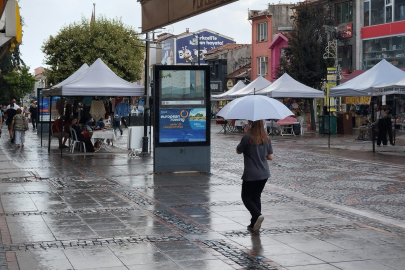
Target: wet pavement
(325,208)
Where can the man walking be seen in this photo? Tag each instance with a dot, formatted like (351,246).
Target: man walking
(10,115)
(15,105)
(34,115)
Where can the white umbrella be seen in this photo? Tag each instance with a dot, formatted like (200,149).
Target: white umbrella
(255,107)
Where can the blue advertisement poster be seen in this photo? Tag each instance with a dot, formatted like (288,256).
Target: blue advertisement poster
(182,125)
(187,47)
(43,106)
(168,51)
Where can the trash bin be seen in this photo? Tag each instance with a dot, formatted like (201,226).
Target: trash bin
(324,124)
(297,128)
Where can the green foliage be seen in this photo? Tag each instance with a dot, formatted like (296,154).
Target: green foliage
(303,58)
(83,42)
(15,79)
(20,82)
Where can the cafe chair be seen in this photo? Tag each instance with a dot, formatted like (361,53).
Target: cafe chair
(75,140)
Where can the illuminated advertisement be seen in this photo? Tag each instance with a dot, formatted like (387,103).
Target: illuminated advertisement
(182,125)
(43,106)
(181,111)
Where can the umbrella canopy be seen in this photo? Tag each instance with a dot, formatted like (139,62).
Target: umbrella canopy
(254,107)
(256,85)
(286,86)
(239,85)
(287,121)
(381,74)
(390,89)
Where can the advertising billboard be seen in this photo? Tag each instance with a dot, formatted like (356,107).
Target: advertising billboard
(187,47)
(168,51)
(43,106)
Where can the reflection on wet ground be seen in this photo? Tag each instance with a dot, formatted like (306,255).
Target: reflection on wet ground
(108,211)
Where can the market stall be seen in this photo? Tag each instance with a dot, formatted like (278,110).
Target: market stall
(219,101)
(96,81)
(250,89)
(293,94)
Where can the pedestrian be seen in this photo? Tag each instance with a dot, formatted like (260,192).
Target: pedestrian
(117,124)
(34,115)
(26,113)
(382,126)
(10,114)
(15,105)
(388,126)
(257,150)
(19,125)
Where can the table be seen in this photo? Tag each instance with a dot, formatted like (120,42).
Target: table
(103,136)
(272,128)
(287,130)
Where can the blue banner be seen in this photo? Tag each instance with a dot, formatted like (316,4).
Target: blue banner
(187,47)
(168,51)
(182,125)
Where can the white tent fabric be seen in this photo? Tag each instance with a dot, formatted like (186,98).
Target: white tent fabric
(69,79)
(397,88)
(381,74)
(286,86)
(99,80)
(239,85)
(256,85)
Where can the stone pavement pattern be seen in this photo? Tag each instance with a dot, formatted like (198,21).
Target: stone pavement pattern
(323,210)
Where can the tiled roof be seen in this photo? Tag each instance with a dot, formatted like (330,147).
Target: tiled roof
(225,48)
(243,72)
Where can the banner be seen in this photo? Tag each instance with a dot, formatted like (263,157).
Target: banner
(187,47)
(168,51)
(182,125)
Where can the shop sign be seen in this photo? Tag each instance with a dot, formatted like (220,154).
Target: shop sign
(345,30)
(229,84)
(357,100)
(159,13)
(215,86)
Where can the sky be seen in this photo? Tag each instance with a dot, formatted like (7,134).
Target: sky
(43,18)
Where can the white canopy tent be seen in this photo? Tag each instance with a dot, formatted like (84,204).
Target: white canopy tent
(286,86)
(72,77)
(397,88)
(97,80)
(239,85)
(252,87)
(381,74)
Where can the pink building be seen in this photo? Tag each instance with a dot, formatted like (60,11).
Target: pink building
(276,48)
(262,25)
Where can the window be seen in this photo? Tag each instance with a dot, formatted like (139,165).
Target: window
(399,10)
(262,65)
(366,13)
(377,12)
(344,12)
(262,31)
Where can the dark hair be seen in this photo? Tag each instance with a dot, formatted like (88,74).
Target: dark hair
(12,105)
(258,135)
(19,111)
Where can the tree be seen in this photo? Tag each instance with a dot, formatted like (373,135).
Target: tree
(15,80)
(83,42)
(20,82)
(303,58)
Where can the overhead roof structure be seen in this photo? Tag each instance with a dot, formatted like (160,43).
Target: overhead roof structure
(381,74)
(97,80)
(251,88)
(239,85)
(286,86)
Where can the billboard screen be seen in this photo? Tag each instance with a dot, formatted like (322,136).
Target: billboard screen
(187,47)
(182,107)
(168,51)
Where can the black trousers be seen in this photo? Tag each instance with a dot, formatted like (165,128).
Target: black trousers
(389,129)
(251,193)
(382,132)
(34,121)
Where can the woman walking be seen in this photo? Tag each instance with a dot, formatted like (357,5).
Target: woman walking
(19,126)
(257,150)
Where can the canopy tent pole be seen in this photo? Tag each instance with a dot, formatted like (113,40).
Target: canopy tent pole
(38,114)
(372,124)
(395,117)
(49,124)
(61,126)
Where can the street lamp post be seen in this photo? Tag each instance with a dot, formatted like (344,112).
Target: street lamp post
(145,138)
